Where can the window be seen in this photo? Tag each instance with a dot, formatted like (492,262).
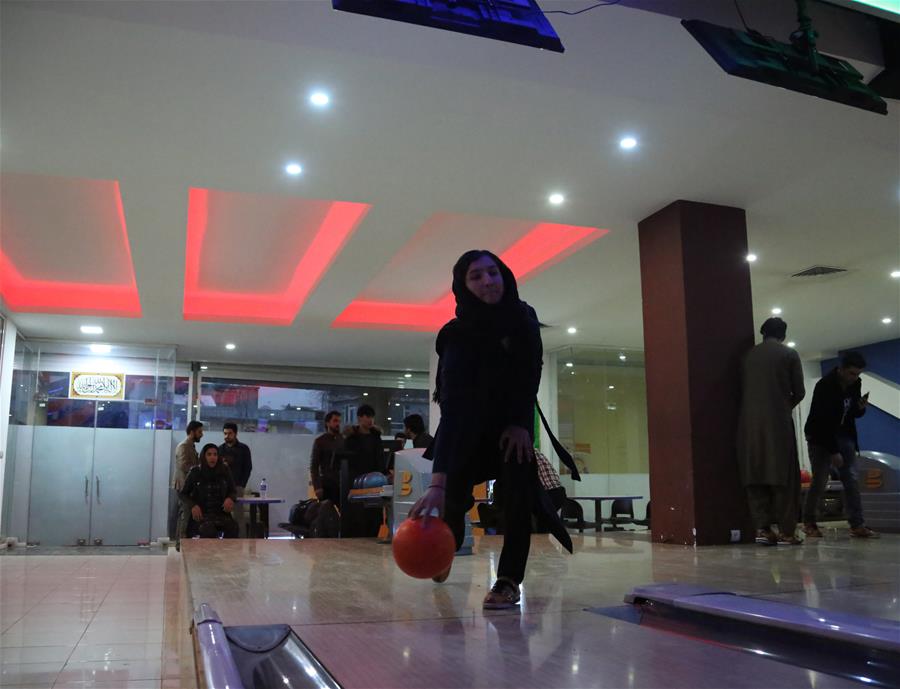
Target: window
(271,407)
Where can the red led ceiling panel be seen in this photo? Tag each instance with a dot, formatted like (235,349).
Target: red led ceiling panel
(527,248)
(254,258)
(64,247)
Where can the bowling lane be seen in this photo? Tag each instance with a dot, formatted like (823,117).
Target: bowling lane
(355,580)
(348,594)
(553,649)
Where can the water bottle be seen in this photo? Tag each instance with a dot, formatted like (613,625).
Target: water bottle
(263,488)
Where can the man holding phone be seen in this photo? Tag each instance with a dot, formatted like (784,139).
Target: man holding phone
(831,437)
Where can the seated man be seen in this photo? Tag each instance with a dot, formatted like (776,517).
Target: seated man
(209,492)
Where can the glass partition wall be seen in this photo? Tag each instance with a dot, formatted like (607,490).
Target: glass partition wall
(602,420)
(90,441)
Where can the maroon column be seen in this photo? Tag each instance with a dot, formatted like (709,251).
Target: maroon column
(698,322)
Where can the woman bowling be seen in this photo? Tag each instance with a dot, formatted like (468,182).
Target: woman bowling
(488,374)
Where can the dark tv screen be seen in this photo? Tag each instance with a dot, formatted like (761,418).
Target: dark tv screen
(513,21)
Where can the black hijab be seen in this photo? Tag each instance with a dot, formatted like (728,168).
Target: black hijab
(509,317)
(205,469)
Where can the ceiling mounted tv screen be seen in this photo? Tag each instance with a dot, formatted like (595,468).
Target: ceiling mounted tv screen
(513,21)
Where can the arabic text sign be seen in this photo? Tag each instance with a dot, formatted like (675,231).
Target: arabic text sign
(98,386)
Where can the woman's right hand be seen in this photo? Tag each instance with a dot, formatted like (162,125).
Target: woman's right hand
(431,500)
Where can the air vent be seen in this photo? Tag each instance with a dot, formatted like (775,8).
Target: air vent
(817,271)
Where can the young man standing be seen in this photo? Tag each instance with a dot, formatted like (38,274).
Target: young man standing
(831,436)
(364,440)
(238,459)
(324,474)
(186,458)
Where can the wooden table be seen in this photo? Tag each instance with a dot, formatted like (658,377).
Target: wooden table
(261,504)
(598,502)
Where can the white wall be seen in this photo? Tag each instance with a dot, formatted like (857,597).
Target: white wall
(812,372)
(284,461)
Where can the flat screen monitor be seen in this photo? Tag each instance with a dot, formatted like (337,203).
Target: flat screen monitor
(513,21)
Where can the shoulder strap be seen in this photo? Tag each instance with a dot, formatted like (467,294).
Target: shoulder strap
(561,451)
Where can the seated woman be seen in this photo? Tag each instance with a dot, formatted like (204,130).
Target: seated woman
(209,491)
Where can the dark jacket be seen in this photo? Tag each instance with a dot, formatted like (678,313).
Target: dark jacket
(208,488)
(484,385)
(367,447)
(322,463)
(239,460)
(833,413)
(422,440)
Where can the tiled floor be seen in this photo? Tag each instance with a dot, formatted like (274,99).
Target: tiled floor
(342,595)
(89,620)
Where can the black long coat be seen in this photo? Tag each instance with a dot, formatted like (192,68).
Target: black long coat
(485,384)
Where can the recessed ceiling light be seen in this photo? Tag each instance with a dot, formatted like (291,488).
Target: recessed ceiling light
(792,344)
(389,418)
(365,394)
(319,98)
(396,404)
(91,329)
(204,368)
(572,330)
(886,320)
(622,357)
(556,198)
(895,274)
(569,364)
(293,169)
(751,258)
(776,311)
(230,346)
(407,375)
(101,349)
(626,143)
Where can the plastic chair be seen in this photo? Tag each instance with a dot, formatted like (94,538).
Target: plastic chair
(646,520)
(623,507)
(572,515)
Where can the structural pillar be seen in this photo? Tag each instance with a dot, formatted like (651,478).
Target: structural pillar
(698,323)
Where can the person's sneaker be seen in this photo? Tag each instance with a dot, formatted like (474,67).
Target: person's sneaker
(789,540)
(863,532)
(503,594)
(442,577)
(766,537)
(812,531)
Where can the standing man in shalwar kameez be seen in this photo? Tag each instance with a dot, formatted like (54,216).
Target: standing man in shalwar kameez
(767,444)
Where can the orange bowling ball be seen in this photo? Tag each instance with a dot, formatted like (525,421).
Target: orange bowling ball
(423,548)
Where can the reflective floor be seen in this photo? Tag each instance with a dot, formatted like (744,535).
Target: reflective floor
(119,620)
(372,626)
(77,620)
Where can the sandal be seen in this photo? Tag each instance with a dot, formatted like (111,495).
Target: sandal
(504,594)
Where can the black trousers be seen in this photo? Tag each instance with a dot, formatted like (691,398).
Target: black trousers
(517,485)
(214,523)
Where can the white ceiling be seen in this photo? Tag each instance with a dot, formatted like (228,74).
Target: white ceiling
(164,96)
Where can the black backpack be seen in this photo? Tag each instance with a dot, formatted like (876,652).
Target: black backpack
(297,516)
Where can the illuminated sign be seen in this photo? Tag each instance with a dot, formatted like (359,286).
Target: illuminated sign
(98,386)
